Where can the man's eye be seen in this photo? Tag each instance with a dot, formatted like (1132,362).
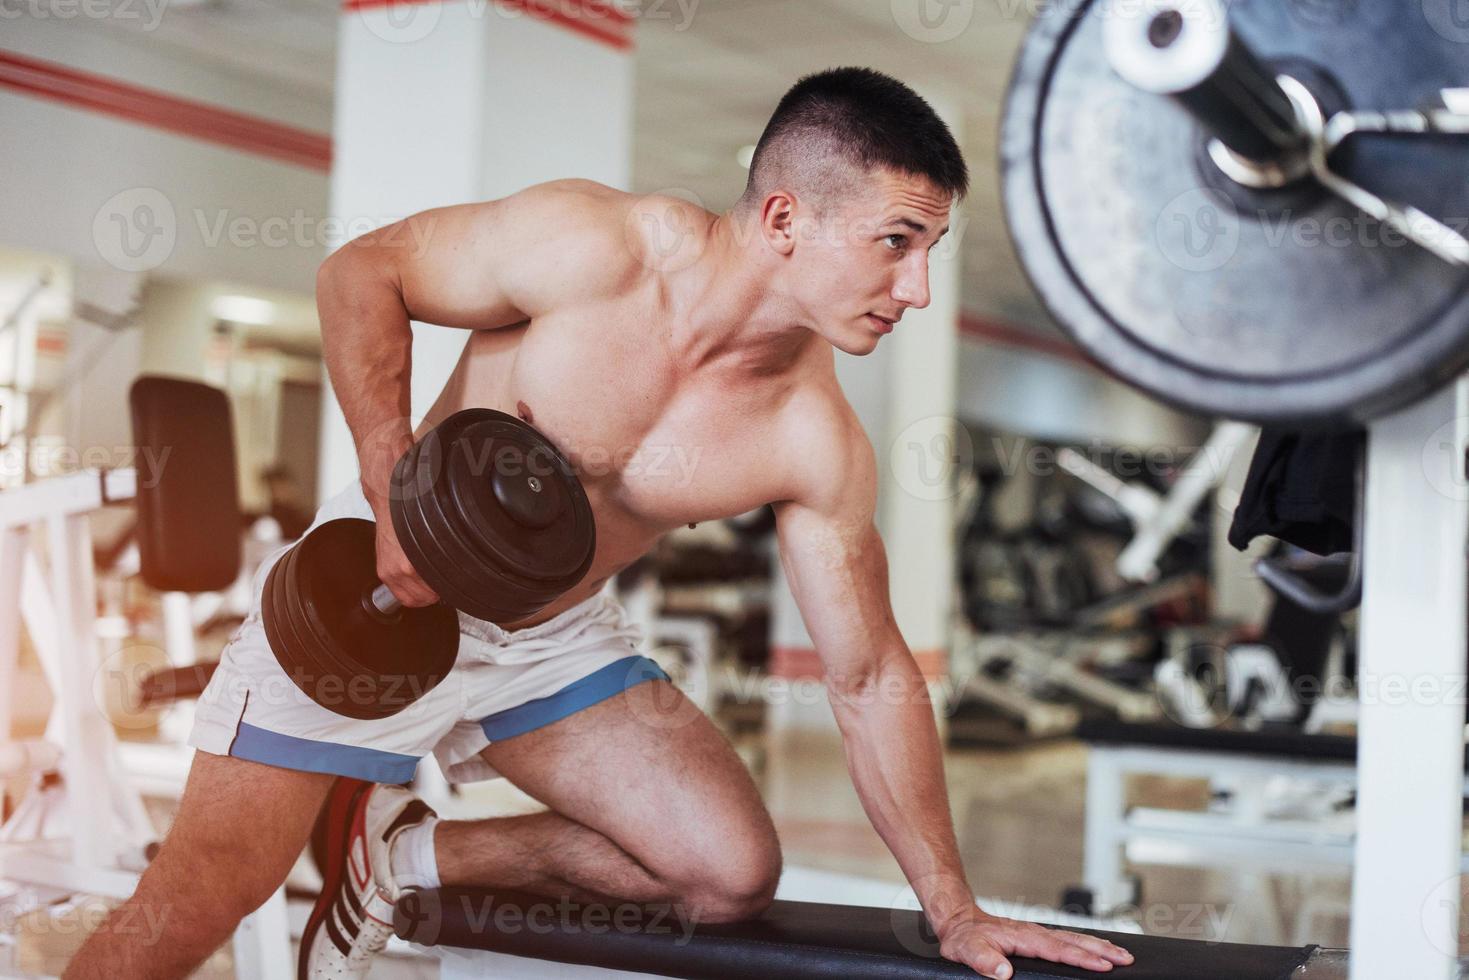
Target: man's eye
(896,241)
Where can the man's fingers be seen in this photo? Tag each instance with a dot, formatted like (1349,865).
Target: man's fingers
(1046,944)
(1102,948)
(991,965)
(407,586)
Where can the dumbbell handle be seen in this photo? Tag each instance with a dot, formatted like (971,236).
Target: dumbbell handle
(381,603)
(1185,49)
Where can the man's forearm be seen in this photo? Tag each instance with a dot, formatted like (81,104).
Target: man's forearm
(896,761)
(367,345)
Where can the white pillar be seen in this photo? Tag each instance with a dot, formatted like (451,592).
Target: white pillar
(1410,752)
(905,393)
(462,101)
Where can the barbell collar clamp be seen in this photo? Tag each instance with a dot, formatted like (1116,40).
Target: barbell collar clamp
(1186,50)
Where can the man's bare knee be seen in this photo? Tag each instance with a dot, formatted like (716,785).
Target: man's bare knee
(740,886)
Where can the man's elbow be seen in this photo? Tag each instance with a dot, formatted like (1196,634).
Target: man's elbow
(888,678)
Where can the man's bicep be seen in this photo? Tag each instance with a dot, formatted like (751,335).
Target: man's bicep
(838,574)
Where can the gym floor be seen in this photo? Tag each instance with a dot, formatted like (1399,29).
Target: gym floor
(1019,814)
(1020,819)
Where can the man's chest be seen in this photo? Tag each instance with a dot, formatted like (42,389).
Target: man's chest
(653,449)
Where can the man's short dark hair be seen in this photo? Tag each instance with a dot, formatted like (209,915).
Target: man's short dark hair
(844,122)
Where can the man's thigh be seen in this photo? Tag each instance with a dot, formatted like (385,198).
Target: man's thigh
(648,770)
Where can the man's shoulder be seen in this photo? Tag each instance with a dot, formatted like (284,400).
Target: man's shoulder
(574,236)
(617,232)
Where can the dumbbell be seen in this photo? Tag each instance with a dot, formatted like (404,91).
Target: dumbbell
(493,519)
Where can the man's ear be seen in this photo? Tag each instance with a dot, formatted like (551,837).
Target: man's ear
(778,221)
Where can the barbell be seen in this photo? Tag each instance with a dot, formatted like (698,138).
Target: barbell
(1254,212)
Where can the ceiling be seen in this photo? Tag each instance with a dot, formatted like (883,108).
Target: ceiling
(708,74)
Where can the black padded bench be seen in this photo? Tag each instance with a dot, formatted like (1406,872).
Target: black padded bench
(1279,743)
(792,941)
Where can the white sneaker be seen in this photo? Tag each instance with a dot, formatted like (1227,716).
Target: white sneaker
(353,918)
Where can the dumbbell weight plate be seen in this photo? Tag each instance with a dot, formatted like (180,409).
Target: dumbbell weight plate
(350,661)
(456,531)
(433,545)
(553,551)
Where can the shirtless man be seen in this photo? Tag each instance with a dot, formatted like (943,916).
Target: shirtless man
(617,348)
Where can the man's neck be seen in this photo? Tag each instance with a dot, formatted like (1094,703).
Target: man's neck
(727,315)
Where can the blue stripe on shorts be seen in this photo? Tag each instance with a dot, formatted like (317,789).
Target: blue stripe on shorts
(290,752)
(598,686)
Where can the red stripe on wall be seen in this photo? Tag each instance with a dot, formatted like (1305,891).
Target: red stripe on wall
(602,22)
(197,120)
(993,331)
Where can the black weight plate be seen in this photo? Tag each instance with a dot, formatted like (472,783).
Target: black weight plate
(333,651)
(397,660)
(464,544)
(554,555)
(463,578)
(417,482)
(306,646)
(304,660)
(1302,310)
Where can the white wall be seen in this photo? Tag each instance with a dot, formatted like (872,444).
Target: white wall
(1046,398)
(71,173)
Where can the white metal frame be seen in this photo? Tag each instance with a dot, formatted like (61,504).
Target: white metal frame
(1405,849)
(97,808)
(1246,835)
(1411,748)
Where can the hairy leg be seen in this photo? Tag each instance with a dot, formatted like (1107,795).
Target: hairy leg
(649,803)
(239,829)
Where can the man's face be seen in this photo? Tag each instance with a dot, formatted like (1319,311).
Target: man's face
(864,262)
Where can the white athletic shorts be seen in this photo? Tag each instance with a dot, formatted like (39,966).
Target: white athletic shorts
(504,684)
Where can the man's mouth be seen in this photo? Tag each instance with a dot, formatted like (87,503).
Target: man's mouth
(882,323)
